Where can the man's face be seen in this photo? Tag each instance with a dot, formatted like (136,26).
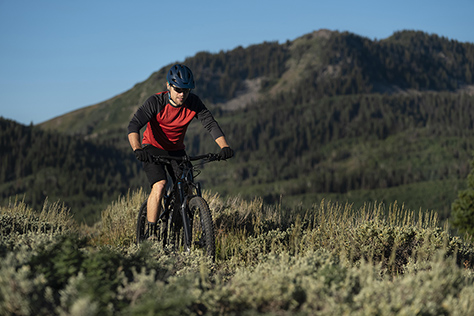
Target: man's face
(178,95)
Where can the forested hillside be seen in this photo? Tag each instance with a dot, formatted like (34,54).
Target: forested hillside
(350,143)
(36,165)
(328,115)
(321,63)
(355,142)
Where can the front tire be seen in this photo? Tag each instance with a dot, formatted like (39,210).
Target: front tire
(202,235)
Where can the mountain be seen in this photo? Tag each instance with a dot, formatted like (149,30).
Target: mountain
(328,115)
(328,63)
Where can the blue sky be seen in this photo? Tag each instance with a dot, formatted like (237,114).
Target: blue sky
(58,55)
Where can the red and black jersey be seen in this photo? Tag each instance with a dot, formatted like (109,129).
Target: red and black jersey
(167,125)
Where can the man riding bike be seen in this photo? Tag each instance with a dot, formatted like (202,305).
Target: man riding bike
(167,115)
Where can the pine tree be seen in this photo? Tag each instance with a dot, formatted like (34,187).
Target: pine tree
(463,206)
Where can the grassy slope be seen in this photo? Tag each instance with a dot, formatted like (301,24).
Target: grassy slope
(327,260)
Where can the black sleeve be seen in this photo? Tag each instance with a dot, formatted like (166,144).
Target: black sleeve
(144,114)
(207,120)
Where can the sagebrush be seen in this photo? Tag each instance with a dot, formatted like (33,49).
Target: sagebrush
(327,260)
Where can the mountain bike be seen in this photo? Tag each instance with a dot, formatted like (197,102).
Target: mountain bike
(185,220)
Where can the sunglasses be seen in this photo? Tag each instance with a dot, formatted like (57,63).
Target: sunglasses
(181,90)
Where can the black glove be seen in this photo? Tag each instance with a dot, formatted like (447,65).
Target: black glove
(142,155)
(226,153)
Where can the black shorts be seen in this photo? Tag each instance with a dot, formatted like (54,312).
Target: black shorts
(156,172)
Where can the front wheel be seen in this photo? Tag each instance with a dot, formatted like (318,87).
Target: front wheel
(202,226)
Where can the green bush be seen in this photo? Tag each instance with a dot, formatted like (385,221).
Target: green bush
(463,207)
(463,211)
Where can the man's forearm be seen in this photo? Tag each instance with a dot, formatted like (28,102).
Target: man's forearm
(221,141)
(134,140)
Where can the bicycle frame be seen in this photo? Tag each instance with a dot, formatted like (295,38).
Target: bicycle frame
(181,189)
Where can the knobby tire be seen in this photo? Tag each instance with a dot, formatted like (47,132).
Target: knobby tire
(202,226)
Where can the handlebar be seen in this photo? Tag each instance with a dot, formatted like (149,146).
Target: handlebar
(210,157)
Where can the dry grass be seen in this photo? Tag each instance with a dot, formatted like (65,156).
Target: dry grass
(53,218)
(118,221)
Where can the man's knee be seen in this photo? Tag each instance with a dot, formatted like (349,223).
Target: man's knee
(158,187)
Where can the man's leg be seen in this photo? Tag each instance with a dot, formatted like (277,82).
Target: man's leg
(154,201)
(156,175)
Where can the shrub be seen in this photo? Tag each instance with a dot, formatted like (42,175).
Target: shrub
(18,219)
(328,260)
(118,221)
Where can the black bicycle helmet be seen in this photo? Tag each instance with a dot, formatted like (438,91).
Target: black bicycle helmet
(180,76)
